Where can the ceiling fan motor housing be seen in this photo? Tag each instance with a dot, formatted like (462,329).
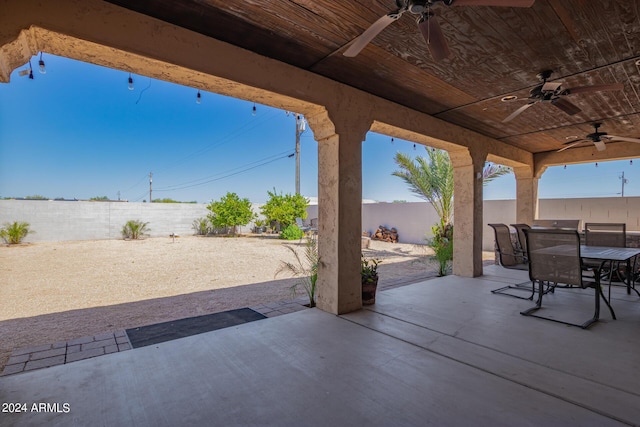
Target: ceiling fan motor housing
(543,95)
(417,7)
(595,136)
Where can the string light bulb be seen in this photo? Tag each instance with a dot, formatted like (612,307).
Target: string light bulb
(43,69)
(565,166)
(198,98)
(30,71)
(130,82)
(596,164)
(254,110)
(392,140)
(414,146)
(631,162)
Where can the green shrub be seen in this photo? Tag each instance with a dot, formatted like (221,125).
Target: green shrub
(202,226)
(292,232)
(134,229)
(230,211)
(442,245)
(13,233)
(284,208)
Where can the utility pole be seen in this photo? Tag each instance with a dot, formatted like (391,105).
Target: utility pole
(300,127)
(118,195)
(297,153)
(150,186)
(624,181)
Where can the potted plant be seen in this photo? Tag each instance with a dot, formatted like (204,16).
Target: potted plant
(369,276)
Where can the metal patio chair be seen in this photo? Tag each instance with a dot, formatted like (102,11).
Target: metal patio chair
(522,242)
(607,234)
(306,229)
(570,224)
(554,257)
(511,258)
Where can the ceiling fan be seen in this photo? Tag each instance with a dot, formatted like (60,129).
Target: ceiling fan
(598,138)
(427,23)
(554,93)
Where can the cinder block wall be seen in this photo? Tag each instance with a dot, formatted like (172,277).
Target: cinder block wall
(77,220)
(414,220)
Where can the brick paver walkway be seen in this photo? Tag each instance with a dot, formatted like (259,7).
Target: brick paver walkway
(59,353)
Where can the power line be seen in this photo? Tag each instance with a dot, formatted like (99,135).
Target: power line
(169,187)
(140,197)
(223,140)
(225,176)
(137,183)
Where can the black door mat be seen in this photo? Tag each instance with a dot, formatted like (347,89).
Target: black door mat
(167,331)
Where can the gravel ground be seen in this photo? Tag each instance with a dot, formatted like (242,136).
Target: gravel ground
(53,291)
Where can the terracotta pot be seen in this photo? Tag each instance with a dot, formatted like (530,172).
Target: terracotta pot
(369,291)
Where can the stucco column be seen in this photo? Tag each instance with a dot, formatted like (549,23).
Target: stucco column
(340,133)
(467,212)
(526,195)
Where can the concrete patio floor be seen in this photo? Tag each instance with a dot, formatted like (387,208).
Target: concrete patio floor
(441,352)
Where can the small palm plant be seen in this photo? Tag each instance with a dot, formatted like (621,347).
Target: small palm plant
(134,229)
(306,267)
(202,226)
(13,233)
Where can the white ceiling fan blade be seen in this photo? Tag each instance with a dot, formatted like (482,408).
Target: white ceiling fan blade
(622,138)
(600,145)
(571,144)
(517,112)
(370,33)
(551,86)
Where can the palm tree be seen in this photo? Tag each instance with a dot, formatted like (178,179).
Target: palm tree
(431,178)
(305,267)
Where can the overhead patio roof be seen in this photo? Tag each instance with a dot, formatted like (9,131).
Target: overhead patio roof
(496,52)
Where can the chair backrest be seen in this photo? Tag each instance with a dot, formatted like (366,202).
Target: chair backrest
(554,256)
(521,238)
(571,224)
(605,234)
(506,253)
(299,222)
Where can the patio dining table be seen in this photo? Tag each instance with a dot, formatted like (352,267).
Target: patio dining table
(613,254)
(602,255)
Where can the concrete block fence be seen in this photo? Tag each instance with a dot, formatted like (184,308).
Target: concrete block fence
(84,220)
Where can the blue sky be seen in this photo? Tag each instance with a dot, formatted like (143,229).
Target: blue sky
(78,132)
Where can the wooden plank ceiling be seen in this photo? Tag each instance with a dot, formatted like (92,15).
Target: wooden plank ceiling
(496,51)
